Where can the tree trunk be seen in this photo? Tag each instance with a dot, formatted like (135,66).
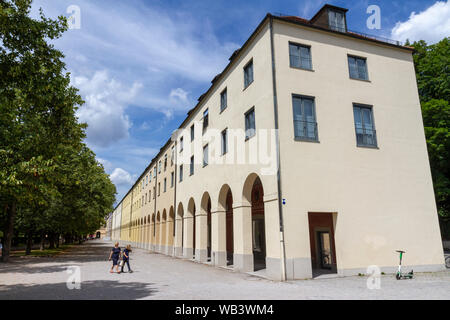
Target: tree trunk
(41,247)
(29,243)
(57,240)
(11,216)
(51,239)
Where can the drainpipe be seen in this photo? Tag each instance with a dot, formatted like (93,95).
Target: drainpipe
(175,197)
(131,216)
(277,140)
(154,194)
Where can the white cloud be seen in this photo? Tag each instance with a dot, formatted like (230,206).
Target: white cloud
(431,25)
(139,41)
(121,177)
(104,110)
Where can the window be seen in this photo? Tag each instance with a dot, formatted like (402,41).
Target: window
(191,168)
(149,195)
(146,180)
(181,144)
(357,68)
(205,156)
(205,120)
(165,162)
(172,156)
(224,141)
(154,192)
(192,133)
(364,126)
(145,198)
(181,173)
(300,56)
(305,125)
(165,184)
(250,124)
(336,20)
(159,189)
(150,177)
(154,169)
(223,100)
(248,74)
(159,166)
(172,179)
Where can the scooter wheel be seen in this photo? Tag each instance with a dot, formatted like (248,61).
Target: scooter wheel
(398,277)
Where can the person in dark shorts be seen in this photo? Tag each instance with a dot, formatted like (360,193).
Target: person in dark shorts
(115,256)
(126,258)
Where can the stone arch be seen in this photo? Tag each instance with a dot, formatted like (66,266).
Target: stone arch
(163,227)
(253,196)
(225,204)
(179,238)
(158,231)
(204,223)
(189,230)
(170,230)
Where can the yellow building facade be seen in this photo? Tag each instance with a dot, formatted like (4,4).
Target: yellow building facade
(306,155)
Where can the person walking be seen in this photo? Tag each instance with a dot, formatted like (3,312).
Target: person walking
(126,258)
(115,256)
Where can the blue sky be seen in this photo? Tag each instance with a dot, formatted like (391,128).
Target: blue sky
(141,65)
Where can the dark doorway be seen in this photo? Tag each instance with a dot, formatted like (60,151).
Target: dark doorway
(229,227)
(323,250)
(259,238)
(98,235)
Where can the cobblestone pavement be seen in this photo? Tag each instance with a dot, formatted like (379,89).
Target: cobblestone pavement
(158,276)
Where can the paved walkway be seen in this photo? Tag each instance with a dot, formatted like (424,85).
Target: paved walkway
(157,276)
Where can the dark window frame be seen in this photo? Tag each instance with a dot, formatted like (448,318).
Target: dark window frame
(181,144)
(224,150)
(205,120)
(252,109)
(192,166)
(373,129)
(246,83)
(222,94)
(310,55)
(206,146)
(315,123)
(366,67)
(345,19)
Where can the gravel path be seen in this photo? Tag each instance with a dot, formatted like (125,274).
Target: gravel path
(158,276)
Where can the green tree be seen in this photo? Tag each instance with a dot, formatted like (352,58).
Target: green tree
(42,156)
(432,64)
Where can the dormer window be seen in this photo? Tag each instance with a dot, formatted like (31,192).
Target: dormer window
(330,17)
(336,20)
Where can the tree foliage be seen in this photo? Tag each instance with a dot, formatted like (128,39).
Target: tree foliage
(432,63)
(49,180)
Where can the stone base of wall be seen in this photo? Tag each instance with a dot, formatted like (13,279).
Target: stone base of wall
(188,253)
(201,255)
(243,262)
(219,258)
(178,251)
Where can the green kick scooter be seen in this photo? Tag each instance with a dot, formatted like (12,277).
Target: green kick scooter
(399,275)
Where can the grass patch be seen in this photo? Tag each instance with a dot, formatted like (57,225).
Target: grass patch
(43,253)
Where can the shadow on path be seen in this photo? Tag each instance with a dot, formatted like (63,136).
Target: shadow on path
(90,290)
(88,252)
